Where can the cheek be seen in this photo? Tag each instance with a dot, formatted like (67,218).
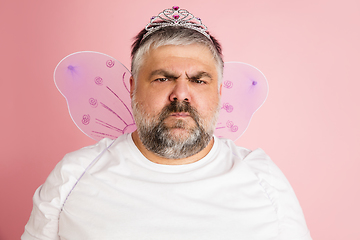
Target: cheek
(207,106)
(150,103)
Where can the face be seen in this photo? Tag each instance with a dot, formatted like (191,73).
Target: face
(176,100)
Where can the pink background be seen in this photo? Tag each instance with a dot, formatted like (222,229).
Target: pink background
(308,50)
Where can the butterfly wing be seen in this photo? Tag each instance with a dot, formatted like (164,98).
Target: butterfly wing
(96,88)
(244,90)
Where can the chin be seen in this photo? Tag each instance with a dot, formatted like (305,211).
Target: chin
(183,123)
(180,134)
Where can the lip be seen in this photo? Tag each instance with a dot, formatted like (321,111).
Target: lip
(180,114)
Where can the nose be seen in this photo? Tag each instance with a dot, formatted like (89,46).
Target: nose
(180,91)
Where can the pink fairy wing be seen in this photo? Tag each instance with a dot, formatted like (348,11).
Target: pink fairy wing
(96,88)
(244,90)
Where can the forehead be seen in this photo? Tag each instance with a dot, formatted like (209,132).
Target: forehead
(179,57)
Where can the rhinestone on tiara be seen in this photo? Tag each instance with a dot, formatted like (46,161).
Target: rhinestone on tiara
(175,17)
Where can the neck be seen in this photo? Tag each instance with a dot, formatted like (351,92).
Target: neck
(165,161)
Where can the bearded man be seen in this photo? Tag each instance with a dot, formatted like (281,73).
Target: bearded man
(171,178)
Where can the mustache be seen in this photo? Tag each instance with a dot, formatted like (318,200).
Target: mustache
(175,107)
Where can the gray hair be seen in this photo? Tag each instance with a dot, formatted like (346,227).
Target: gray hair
(173,36)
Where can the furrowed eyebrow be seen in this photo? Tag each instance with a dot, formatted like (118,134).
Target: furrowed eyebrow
(200,75)
(164,73)
(167,74)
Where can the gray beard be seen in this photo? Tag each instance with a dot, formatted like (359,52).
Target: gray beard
(157,137)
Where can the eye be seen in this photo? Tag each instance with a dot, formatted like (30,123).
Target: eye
(197,81)
(161,80)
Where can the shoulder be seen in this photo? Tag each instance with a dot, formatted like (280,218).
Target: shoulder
(228,146)
(257,161)
(68,171)
(49,198)
(74,163)
(276,188)
(85,154)
(292,223)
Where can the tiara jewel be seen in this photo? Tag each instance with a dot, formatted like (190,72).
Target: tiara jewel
(175,17)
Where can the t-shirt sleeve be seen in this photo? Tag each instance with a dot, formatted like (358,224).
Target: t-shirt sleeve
(50,197)
(292,225)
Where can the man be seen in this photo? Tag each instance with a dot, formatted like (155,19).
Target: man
(171,178)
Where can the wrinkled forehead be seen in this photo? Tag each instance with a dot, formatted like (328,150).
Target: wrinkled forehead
(147,53)
(154,45)
(181,58)
(190,51)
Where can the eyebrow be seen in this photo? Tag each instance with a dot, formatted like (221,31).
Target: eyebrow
(168,74)
(164,73)
(200,75)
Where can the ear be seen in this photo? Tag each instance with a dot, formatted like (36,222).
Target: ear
(132,85)
(220,89)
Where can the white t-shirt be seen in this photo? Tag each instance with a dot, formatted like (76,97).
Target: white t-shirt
(111,191)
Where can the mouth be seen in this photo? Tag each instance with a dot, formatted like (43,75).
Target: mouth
(179,120)
(180,114)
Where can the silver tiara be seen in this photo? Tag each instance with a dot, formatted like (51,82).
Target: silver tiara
(175,17)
